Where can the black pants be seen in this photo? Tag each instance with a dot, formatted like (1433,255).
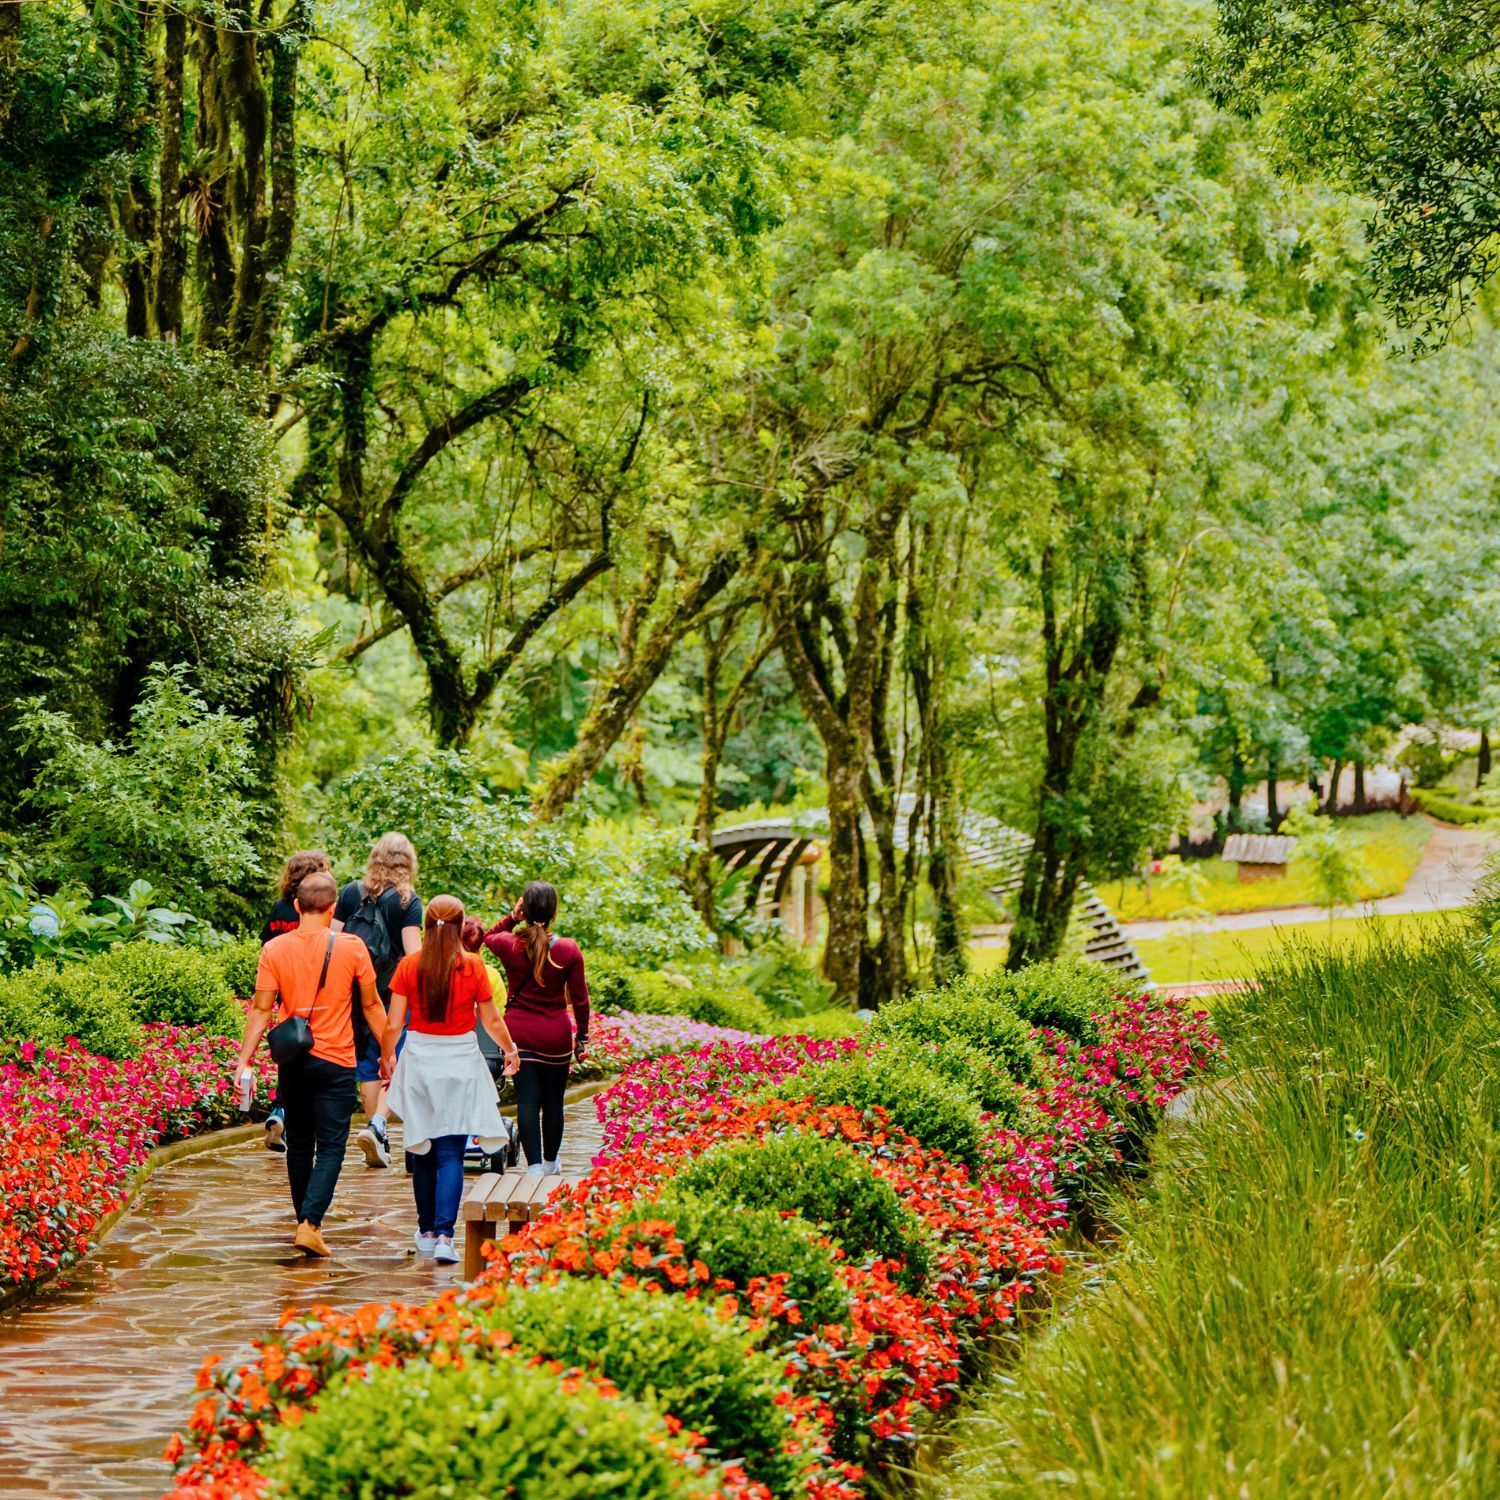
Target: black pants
(539,1109)
(319,1099)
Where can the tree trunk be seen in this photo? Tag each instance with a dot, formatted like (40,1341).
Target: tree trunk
(170,263)
(1048,886)
(1359,786)
(1482,771)
(848,932)
(1273,775)
(1236,787)
(1331,802)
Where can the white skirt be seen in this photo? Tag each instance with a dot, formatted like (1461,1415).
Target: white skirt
(442,1086)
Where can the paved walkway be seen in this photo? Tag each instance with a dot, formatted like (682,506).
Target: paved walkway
(94,1377)
(1452,861)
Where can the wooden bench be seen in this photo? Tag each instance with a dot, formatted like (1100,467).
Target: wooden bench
(511,1198)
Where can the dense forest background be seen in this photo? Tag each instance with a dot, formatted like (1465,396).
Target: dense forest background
(510,415)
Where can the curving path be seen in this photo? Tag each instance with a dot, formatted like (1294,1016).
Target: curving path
(95,1376)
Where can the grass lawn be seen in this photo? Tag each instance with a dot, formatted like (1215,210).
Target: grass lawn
(1236,955)
(1301,1300)
(1388,848)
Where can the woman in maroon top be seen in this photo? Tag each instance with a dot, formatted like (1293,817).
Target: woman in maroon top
(543,976)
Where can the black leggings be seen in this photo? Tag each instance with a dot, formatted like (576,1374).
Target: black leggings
(539,1109)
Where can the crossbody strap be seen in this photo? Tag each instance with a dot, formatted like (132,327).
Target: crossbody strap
(322,978)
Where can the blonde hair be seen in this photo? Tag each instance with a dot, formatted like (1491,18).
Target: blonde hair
(393,862)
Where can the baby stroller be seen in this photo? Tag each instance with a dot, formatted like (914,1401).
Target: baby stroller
(508,1155)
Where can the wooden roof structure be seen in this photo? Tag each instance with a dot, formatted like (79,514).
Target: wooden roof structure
(1259,848)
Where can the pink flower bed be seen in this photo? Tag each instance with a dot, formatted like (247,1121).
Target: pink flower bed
(670,1093)
(74,1126)
(619,1040)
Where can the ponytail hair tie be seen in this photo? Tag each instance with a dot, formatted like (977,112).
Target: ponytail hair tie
(438,922)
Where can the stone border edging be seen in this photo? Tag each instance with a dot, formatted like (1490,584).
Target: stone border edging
(162,1156)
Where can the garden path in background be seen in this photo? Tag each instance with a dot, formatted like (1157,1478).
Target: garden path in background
(95,1376)
(1452,861)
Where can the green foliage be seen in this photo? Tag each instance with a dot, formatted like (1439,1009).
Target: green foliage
(72,925)
(619,889)
(1314,1233)
(974,1072)
(827,1024)
(1065,994)
(740,1244)
(824,1182)
(918,1100)
(710,992)
(170,799)
(1323,852)
(47,1006)
(238,962)
(675,1355)
(975,1009)
(485,1429)
(182,986)
(1451,810)
(784,978)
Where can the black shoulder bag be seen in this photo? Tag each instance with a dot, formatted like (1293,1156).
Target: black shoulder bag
(293,1038)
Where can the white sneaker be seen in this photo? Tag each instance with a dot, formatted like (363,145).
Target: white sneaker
(373,1143)
(537,1169)
(425,1243)
(443,1252)
(551,1169)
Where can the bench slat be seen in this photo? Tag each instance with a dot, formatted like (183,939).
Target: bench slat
(477,1196)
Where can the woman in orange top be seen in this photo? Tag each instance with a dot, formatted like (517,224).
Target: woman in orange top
(441,1087)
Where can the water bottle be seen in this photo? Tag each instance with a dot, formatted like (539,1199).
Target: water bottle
(247,1090)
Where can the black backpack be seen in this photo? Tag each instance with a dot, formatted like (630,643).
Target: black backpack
(369,925)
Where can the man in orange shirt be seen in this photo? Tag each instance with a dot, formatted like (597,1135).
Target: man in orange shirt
(317,1089)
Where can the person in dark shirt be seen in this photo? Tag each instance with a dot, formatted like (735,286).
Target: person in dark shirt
(284,918)
(384,909)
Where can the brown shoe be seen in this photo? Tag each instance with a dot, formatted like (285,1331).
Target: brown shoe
(309,1240)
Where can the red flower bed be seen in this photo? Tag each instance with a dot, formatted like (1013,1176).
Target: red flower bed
(73,1127)
(860,1387)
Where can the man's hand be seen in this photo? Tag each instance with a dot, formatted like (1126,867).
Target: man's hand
(387,1066)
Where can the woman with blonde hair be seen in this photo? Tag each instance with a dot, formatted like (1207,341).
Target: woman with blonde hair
(385,911)
(441,1087)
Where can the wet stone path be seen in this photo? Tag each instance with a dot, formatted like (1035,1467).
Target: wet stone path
(97,1374)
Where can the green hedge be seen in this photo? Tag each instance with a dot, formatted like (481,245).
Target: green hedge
(976,1073)
(238,962)
(709,992)
(967,1012)
(483,1430)
(105,1002)
(743,1243)
(1451,811)
(917,1099)
(827,1184)
(672,1354)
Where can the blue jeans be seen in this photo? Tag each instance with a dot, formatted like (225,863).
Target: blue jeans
(437,1183)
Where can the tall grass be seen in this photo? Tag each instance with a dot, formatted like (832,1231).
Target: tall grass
(1307,1301)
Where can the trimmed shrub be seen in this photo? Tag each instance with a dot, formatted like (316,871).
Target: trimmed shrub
(827,1184)
(702,994)
(182,986)
(677,1356)
(966,1011)
(486,1429)
(611,983)
(978,1074)
(70,1002)
(1450,810)
(739,1244)
(917,1099)
(238,962)
(826,1025)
